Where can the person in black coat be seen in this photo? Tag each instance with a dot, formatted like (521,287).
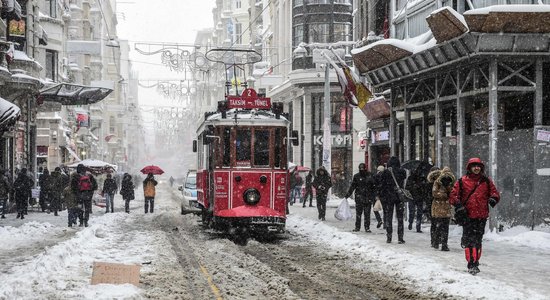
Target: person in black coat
(387,191)
(322,183)
(109,189)
(83,185)
(22,187)
(44,181)
(309,191)
(127,191)
(365,193)
(419,187)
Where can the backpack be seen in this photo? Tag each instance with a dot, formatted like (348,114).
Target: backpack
(84,183)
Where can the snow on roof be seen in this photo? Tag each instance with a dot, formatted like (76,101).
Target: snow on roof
(454,12)
(535,8)
(413,45)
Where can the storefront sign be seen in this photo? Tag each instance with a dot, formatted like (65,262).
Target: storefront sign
(337,140)
(543,135)
(379,136)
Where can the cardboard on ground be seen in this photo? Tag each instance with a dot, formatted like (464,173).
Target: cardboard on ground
(113,273)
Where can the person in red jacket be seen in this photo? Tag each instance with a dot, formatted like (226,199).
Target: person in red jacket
(474,192)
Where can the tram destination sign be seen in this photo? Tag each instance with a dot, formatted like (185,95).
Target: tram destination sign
(248,100)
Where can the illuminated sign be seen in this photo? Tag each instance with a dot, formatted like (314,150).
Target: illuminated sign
(248,100)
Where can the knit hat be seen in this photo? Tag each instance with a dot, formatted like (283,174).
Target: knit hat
(380,168)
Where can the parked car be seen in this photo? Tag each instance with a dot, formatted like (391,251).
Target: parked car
(189,203)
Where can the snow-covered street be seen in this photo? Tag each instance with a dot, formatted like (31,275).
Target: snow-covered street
(41,258)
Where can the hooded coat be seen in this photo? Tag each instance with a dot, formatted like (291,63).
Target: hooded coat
(127,187)
(322,182)
(478,203)
(440,205)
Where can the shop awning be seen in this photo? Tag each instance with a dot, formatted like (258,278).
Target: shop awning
(11,9)
(9,114)
(72,94)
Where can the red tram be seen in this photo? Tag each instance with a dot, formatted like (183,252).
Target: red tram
(242,165)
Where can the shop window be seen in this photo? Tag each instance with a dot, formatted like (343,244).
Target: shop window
(319,33)
(297,35)
(517,112)
(51,8)
(51,64)
(448,121)
(17,33)
(238,33)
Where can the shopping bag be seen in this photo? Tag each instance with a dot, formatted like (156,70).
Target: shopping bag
(377,205)
(343,212)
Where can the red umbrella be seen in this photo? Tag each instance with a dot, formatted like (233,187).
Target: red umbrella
(152,169)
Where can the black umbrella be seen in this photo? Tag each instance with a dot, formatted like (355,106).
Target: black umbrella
(422,166)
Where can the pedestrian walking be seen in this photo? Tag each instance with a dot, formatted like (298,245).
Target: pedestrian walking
(441,209)
(83,185)
(127,191)
(387,191)
(474,192)
(322,183)
(45,190)
(74,211)
(109,189)
(149,192)
(5,190)
(297,188)
(376,178)
(22,186)
(365,193)
(432,176)
(57,185)
(418,186)
(172,181)
(309,190)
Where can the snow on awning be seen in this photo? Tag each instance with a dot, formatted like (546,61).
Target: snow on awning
(9,114)
(380,53)
(72,94)
(446,23)
(510,18)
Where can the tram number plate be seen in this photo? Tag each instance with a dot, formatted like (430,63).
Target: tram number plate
(265,220)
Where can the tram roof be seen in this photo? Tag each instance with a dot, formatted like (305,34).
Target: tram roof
(244,118)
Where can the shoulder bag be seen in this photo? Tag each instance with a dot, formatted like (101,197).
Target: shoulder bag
(404,194)
(461,213)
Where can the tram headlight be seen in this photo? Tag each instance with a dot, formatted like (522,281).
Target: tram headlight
(251,196)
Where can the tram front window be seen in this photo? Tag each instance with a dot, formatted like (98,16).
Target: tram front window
(261,147)
(242,143)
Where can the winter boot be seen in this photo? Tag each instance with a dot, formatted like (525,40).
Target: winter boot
(380,223)
(22,217)
(18,216)
(388,239)
(410,226)
(444,247)
(356,230)
(401,241)
(367,230)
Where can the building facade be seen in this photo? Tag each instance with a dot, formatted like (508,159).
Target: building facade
(466,85)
